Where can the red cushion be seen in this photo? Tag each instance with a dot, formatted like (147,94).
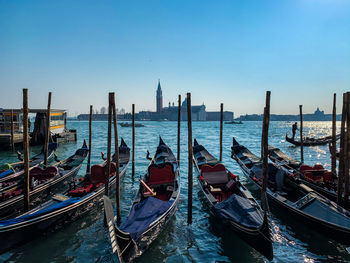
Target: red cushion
(98,173)
(215,175)
(318,167)
(43,174)
(216,168)
(327,177)
(304,168)
(161,175)
(81,191)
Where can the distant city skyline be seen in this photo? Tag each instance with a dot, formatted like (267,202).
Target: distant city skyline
(227,52)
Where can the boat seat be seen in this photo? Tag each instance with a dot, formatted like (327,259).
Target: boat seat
(161,174)
(98,173)
(81,191)
(215,175)
(328,177)
(39,173)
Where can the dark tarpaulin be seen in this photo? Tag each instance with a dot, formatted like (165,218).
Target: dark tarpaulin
(240,210)
(143,214)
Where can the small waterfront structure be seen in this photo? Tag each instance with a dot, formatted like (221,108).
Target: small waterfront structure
(59,131)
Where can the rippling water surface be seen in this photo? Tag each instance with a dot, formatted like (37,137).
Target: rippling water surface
(205,240)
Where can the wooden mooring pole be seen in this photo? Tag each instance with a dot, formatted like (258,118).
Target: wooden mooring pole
(334,140)
(109,144)
(264,151)
(341,169)
(190,159)
(301,134)
(12,131)
(26,150)
(116,154)
(90,133)
(347,152)
(47,132)
(133,142)
(178,129)
(221,127)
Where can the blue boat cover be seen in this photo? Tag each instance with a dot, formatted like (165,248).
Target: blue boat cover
(238,209)
(39,212)
(143,214)
(5,173)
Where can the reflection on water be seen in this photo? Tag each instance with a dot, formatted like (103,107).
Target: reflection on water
(204,241)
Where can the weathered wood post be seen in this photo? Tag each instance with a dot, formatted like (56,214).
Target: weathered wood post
(221,127)
(334,140)
(116,152)
(133,141)
(109,138)
(347,152)
(47,132)
(190,159)
(12,135)
(341,169)
(26,150)
(301,134)
(264,151)
(178,129)
(90,132)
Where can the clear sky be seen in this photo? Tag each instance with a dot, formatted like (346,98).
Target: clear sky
(220,51)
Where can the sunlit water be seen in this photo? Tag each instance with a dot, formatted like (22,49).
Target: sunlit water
(205,240)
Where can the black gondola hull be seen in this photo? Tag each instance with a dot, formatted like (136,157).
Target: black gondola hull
(15,206)
(337,233)
(15,235)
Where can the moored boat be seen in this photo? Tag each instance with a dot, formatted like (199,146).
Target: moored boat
(43,181)
(154,205)
(299,200)
(307,141)
(231,202)
(316,177)
(15,170)
(64,208)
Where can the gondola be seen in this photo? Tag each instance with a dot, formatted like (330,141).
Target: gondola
(154,205)
(43,181)
(316,177)
(126,124)
(233,122)
(299,200)
(231,202)
(15,170)
(307,141)
(64,208)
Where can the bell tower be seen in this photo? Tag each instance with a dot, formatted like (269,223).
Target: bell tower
(159,98)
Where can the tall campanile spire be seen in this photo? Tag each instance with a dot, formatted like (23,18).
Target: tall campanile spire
(159,98)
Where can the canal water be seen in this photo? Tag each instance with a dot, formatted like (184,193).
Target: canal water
(206,240)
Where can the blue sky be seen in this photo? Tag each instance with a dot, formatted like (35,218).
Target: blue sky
(220,51)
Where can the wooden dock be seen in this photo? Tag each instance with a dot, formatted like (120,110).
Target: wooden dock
(5,140)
